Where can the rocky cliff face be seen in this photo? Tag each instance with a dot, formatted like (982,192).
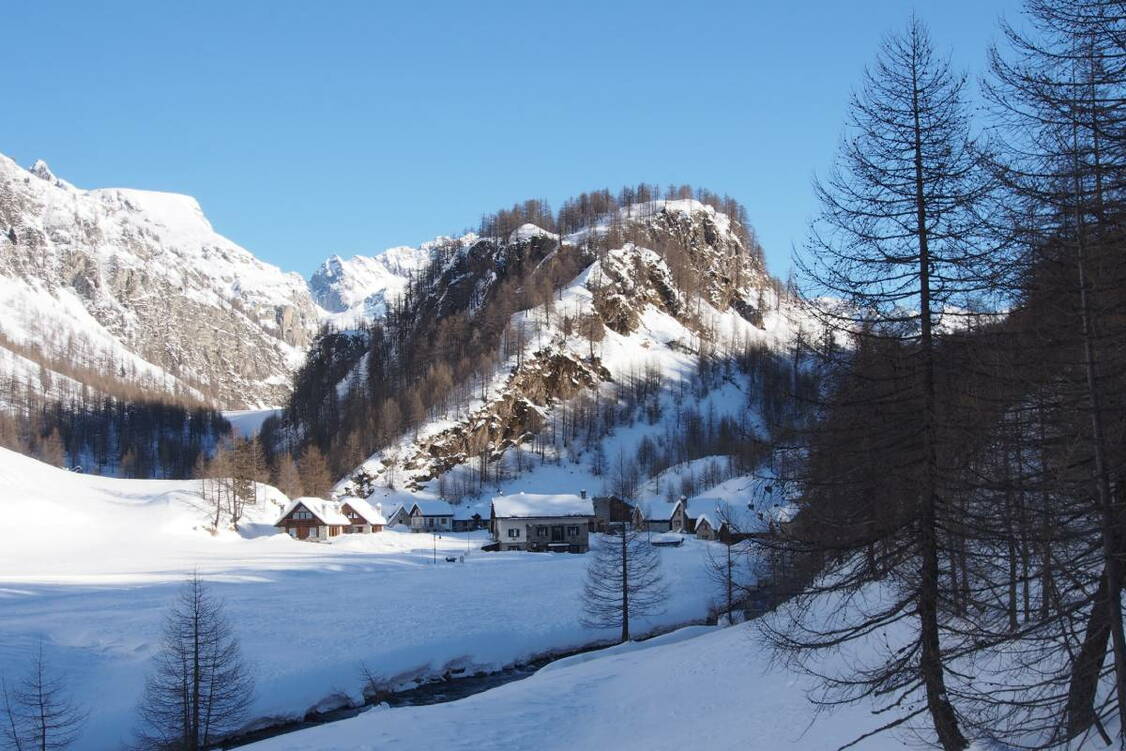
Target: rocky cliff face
(136,285)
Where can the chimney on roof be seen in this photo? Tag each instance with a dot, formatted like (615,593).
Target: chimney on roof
(582,494)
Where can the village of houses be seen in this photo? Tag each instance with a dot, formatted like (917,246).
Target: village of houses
(560,523)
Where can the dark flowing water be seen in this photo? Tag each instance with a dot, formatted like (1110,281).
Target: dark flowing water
(452,688)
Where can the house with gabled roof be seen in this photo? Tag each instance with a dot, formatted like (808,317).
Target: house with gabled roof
(363,517)
(530,521)
(661,516)
(729,522)
(312,519)
(400,515)
(610,510)
(431,516)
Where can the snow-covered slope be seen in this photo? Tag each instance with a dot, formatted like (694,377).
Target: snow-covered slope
(74,524)
(363,286)
(649,324)
(141,279)
(90,566)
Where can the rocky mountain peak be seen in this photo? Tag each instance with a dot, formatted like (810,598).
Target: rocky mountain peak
(42,171)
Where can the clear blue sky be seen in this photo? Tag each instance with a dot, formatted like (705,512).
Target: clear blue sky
(312,128)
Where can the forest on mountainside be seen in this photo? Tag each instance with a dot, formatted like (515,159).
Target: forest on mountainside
(95,414)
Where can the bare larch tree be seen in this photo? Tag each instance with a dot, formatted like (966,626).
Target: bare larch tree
(200,688)
(623,582)
(899,241)
(38,713)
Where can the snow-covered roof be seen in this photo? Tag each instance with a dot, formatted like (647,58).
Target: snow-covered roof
(716,511)
(529,505)
(661,510)
(465,512)
(433,508)
(783,514)
(371,514)
(327,512)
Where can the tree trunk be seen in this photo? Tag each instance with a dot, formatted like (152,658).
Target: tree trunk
(625,588)
(930,660)
(1087,666)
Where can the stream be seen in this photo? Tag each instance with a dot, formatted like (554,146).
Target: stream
(434,692)
(457,687)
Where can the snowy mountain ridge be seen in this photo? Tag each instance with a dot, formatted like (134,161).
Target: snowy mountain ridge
(137,285)
(361,287)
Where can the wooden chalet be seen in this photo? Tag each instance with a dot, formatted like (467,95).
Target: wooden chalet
(313,519)
(363,517)
(610,510)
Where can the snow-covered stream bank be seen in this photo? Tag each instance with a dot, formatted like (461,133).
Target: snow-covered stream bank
(463,685)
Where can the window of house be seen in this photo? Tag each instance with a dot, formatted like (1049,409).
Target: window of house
(314,531)
(513,533)
(572,531)
(541,531)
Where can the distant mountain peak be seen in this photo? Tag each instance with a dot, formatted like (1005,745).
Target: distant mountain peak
(43,172)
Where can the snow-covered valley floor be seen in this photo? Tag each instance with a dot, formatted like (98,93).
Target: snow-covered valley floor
(93,564)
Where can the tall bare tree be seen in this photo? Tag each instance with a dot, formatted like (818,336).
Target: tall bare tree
(37,712)
(200,687)
(900,240)
(1058,90)
(623,582)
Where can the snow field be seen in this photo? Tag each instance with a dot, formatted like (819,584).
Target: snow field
(99,560)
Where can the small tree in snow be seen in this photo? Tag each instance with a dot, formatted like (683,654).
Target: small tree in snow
(732,572)
(623,581)
(200,688)
(37,713)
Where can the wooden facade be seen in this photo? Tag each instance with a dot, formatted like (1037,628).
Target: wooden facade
(359,522)
(610,510)
(303,523)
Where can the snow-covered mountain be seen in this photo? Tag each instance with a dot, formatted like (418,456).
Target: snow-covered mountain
(360,288)
(134,285)
(658,290)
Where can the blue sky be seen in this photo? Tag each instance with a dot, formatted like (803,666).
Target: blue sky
(306,129)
